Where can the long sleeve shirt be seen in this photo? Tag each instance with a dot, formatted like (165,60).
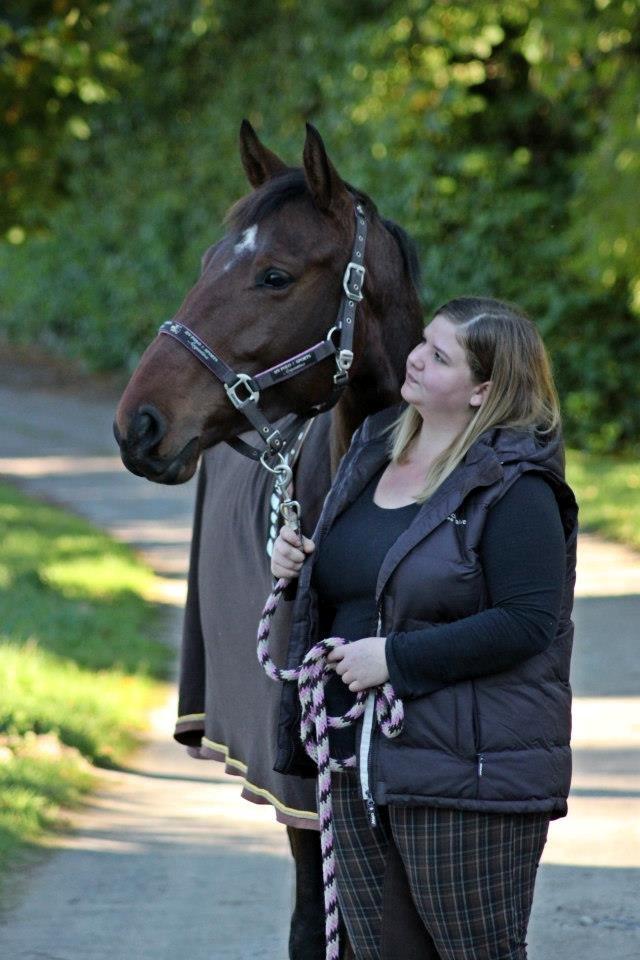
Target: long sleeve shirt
(523,558)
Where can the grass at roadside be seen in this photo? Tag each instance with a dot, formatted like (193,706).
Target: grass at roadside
(79,665)
(608,492)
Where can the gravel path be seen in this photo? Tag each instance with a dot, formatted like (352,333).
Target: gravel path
(166,860)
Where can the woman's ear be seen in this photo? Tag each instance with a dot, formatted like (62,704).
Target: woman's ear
(479,394)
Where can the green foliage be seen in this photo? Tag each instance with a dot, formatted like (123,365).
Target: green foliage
(70,590)
(33,790)
(95,713)
(493,131)
(76,657)
(57,67)
(78,666)
(608,491)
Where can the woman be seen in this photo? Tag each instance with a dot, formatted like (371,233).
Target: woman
(450,527)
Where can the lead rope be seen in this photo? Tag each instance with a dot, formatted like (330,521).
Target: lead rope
(311,677)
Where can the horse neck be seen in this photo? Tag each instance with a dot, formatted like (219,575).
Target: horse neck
(391,329)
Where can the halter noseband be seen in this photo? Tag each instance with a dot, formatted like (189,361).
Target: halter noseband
(251,384)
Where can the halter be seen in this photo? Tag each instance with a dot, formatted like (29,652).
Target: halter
(243,389)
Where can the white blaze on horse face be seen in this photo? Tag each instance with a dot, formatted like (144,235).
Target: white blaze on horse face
(246,244)
(247,241)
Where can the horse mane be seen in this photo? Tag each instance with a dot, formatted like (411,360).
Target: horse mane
(292,185)
(408,249)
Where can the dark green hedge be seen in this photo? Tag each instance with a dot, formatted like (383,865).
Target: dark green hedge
(504,136)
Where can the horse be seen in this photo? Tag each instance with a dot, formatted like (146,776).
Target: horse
(303,253)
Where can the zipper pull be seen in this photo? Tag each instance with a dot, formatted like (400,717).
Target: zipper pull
(480,762)
(371,809)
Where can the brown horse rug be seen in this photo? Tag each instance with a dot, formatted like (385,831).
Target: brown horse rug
(228,707)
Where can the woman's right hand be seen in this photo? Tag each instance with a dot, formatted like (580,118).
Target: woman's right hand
(287,557)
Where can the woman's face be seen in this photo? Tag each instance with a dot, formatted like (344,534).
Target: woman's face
(438,379)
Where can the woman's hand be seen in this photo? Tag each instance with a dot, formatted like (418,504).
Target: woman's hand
(361,664)
(287,557)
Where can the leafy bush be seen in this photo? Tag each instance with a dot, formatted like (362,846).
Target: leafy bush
(492,131)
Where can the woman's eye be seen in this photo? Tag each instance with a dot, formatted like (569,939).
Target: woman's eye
(438,356)
(277,279)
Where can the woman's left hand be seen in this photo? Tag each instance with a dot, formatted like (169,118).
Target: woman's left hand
(361,664)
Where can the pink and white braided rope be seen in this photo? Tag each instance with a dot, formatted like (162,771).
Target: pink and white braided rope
(311,677)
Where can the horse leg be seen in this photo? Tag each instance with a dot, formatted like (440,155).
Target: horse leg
(306,933)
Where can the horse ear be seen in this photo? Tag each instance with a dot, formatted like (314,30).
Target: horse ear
(259,163)
(327,186)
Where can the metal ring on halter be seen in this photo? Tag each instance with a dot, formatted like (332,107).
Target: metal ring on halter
(329,335)
(282,470)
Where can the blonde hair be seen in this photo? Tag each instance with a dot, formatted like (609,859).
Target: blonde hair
(504,346)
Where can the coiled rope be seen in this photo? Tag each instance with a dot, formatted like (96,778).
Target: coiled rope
(311,677)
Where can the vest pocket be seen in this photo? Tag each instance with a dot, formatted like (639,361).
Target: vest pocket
(476,718)
(461,703)
(477,737)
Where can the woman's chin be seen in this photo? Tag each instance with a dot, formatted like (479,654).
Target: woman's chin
(406,391)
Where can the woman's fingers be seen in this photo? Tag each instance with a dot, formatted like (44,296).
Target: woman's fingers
(287,557)
(286,550)
(291,555)
(350,681)
(288,547)
(336,654)
(286,570)
(291,537)
(342,668)
(283,566)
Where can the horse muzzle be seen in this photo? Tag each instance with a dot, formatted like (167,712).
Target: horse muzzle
(139,449)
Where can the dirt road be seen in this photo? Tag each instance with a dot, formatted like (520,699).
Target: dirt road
(166,861)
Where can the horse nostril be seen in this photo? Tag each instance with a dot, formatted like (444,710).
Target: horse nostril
(147,428)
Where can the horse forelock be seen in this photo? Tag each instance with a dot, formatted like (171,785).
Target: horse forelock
(292,185)
(275,193)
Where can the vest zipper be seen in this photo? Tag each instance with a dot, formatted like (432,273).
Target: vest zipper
(476,730)
(365,743)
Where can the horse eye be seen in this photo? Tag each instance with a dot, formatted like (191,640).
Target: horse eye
(277,279)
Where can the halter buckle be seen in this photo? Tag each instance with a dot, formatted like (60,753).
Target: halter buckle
(344,359)
(244,380)
(352,285)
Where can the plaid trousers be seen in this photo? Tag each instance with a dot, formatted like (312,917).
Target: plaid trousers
(470,875)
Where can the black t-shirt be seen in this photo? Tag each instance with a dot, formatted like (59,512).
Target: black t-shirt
(522,552)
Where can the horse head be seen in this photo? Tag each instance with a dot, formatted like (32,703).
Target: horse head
(268,290)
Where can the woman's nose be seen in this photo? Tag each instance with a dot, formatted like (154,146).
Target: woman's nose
(415,357)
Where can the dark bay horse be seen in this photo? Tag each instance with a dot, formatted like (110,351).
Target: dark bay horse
(271,288)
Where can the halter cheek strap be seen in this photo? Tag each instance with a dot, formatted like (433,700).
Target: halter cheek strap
(243,390)
(232,382)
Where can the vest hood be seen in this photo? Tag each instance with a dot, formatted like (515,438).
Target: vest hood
(505,444)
